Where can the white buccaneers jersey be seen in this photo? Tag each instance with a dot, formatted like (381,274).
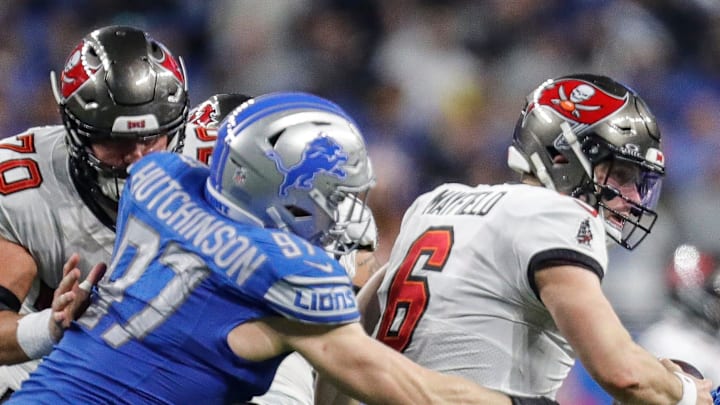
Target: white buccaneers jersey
(41,210)
(459,295)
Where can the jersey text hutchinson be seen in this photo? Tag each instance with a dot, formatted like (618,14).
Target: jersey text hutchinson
(153,187)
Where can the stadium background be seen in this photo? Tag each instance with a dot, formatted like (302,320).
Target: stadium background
(436,86)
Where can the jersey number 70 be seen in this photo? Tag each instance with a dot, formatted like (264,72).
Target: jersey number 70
(408,295)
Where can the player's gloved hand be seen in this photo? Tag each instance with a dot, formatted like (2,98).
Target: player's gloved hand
(348,263)
(360,233)
(71,298)
(361,229)
(716,395)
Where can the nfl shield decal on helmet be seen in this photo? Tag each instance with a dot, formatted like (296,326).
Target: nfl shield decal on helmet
(321,156)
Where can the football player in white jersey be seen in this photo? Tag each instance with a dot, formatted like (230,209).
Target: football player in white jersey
(689,328)
(501,284)
(121,95)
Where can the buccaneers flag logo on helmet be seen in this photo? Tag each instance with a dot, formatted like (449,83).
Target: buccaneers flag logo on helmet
(579,101)
(77,71)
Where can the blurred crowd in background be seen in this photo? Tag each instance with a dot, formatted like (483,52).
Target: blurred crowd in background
(436,87)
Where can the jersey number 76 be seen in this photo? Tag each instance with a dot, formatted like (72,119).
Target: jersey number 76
(408,295)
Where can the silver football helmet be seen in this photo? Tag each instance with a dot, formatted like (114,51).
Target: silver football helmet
(288,160)
(117,84)
(572,124)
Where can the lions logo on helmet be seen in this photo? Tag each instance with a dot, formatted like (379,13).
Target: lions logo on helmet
(300,157)
(322,155)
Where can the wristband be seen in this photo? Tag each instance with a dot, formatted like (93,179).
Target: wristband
(33,334)
(689,394)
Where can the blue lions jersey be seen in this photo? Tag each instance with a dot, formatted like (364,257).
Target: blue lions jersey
(181,278)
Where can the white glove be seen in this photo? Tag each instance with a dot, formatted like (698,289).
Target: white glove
(348,263)
(361,229)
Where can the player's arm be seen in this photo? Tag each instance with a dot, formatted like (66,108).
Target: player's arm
(16,276)
(366,264)
(359,365)
(325,391)
(585,317)
(367,300)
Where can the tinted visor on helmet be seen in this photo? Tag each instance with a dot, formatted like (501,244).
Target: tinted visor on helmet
(628,223)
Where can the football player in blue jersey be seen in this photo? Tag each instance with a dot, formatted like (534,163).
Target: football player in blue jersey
(217,274)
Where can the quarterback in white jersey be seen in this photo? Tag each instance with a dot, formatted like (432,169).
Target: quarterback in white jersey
(476,249)
(501,284)
(59,184)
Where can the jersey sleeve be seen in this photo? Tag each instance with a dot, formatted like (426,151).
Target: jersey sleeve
(563,231)
(308,285)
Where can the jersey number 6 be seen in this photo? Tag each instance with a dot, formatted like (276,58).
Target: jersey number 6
(408,295)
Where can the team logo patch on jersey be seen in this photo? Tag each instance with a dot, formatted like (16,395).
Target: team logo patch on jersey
(584,235)
(321,156)
(580,101)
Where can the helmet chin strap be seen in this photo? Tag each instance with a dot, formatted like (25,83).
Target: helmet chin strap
(541,172)
(279,223)
(614,234)
(572,141)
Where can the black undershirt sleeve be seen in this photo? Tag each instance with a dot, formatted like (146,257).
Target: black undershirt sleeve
(560,257)
(8,300)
